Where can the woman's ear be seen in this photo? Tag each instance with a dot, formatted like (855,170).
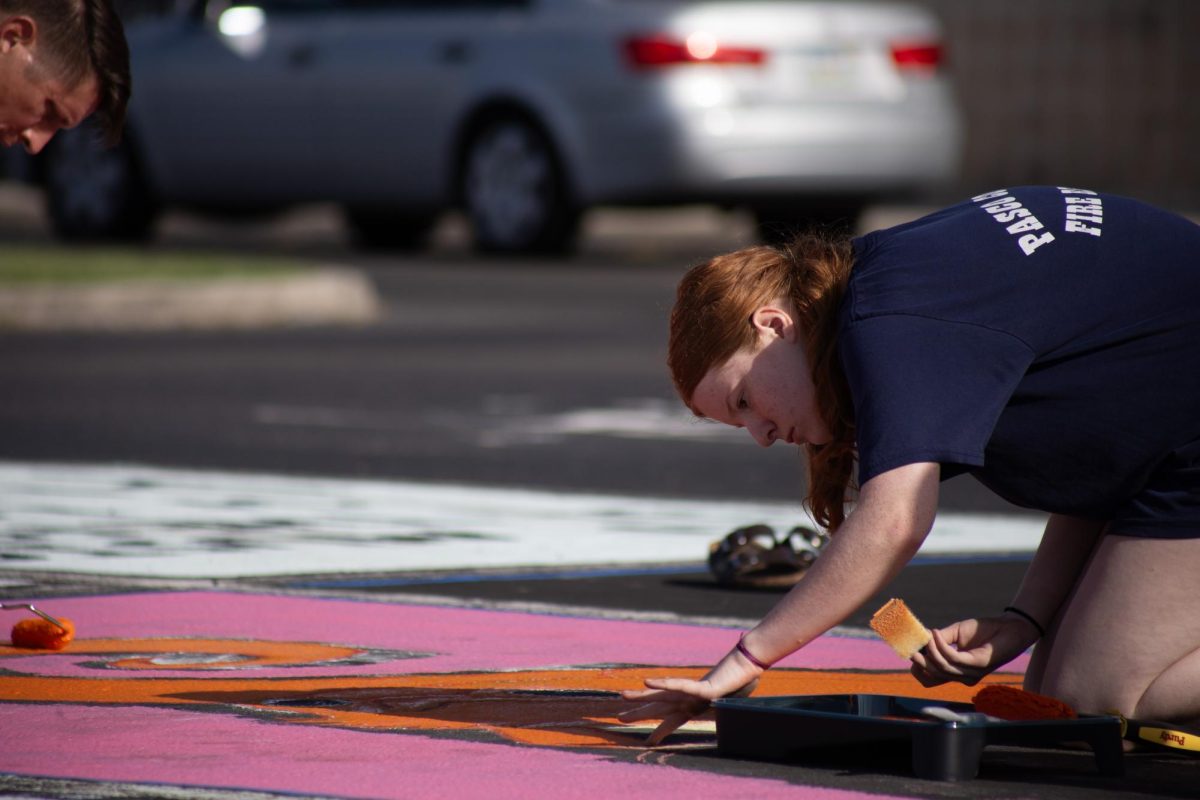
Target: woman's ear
(774,321)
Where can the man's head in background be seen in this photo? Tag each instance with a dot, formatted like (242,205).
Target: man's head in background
(60,62)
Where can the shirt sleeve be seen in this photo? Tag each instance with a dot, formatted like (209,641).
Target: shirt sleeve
(927,390)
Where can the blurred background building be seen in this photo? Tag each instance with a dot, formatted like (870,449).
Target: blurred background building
(1098,93)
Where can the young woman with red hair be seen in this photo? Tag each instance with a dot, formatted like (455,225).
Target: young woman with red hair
(1045,340)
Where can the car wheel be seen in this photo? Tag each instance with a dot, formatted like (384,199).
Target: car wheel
(380,229)
(779,222)
(514,190)
(94,192)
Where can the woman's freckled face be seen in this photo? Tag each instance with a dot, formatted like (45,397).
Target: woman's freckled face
(767,390)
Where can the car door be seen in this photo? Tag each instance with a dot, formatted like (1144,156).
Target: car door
(399,77)
(230,106)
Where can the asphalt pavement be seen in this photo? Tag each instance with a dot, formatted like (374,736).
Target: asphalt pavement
(509,372)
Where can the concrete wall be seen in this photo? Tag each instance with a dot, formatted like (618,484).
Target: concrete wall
(1098,93)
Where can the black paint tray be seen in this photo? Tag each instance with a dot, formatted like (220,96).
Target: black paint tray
(783,728)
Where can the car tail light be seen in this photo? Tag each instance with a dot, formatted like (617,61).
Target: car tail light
(917,56)
(647,52)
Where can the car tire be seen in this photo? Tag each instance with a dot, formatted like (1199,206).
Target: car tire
(514,190)
(779,222)
(382,229)
(95,193)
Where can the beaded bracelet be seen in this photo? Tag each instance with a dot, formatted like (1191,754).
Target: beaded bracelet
(1028,618)
(741,648)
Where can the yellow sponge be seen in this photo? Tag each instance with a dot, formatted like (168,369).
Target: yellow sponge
(900,628)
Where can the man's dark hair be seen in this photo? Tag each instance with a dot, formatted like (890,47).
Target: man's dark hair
(78,38)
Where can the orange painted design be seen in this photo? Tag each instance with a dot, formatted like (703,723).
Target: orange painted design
(570,707)
(250,653)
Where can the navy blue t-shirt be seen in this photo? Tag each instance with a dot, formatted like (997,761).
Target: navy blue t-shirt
(1045,339)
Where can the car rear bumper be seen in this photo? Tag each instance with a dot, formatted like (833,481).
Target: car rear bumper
(743,155)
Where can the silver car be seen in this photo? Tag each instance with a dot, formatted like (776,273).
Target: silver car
(523,113)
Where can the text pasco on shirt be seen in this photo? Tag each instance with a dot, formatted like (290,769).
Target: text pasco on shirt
(1045,339)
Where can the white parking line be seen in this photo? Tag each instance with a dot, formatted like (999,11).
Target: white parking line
(172,523)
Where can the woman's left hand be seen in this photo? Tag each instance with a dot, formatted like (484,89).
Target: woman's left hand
(677,700)
(967,651)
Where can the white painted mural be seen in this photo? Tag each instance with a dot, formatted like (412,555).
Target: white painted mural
(169,523)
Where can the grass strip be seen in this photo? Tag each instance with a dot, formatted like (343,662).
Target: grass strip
(25,265)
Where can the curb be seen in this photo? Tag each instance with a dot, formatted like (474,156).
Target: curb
(326,296)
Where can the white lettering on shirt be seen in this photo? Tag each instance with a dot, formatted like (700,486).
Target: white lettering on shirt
(1027,224)
(979,198)
(1083,207)
(1009,216)
(1030,242)
(1073,226)
(1004,208)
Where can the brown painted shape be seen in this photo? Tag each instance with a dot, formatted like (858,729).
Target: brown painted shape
(567,707)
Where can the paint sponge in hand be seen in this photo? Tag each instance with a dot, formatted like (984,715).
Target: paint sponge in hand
(900,628)
(40,634)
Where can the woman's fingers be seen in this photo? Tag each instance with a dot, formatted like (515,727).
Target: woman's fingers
(932,665)
(668,726)
(676,689)
(965,652)
(968,659)
(671,713)
(660,709)
(648,711)
(942,654)
(684,685)
(933,660)
(661,702)
(926,678)
(674,701)
(943,662)
(663,687)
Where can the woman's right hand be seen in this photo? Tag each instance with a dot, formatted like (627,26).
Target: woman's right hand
(968,650)
(674,701)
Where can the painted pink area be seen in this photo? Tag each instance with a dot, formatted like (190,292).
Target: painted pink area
(166,746)
(464,639)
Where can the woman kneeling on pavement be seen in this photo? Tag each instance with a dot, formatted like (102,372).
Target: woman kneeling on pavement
(1045,340)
